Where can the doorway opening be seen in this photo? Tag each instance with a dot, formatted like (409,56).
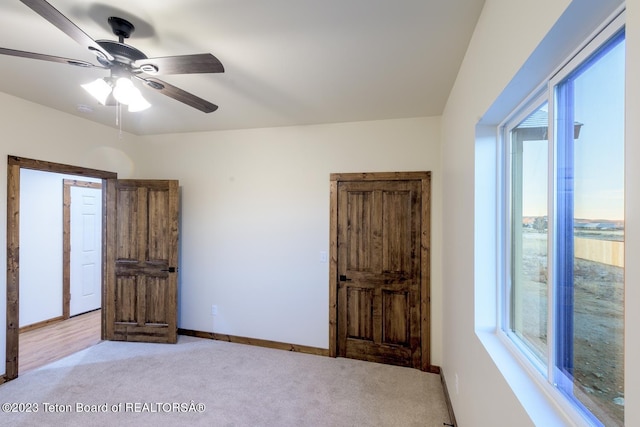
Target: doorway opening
(14,166)
(60,266)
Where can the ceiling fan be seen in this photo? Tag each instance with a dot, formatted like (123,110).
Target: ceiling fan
(125,63)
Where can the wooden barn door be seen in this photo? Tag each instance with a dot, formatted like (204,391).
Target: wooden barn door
(380,271)
(142,260)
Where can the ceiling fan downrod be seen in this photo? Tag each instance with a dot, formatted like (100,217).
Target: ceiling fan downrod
(121,28)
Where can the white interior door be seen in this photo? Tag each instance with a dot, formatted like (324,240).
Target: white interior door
(86,247)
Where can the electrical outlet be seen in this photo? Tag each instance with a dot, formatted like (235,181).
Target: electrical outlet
(214,310)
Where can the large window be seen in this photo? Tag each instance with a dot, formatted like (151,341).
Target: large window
(563,298)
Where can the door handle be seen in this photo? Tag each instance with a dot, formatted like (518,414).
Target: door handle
(344,278)
(170,269)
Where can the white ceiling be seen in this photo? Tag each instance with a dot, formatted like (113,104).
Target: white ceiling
(287,62)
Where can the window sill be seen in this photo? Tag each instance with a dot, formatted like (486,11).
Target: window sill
(543,403)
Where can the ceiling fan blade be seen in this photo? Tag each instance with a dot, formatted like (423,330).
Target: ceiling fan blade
(51,14)
(179,95)
(185,64)
(32,55)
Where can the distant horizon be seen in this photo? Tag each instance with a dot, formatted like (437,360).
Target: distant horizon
(578,219)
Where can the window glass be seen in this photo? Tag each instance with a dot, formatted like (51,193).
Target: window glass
(530,157)
(590,233)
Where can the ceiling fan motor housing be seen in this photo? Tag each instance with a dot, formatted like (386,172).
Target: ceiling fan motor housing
(123,53)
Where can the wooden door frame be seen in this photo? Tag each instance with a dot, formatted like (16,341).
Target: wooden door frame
(66,239)
(425,255)
(14,164)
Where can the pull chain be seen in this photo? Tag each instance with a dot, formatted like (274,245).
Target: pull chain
(119,118)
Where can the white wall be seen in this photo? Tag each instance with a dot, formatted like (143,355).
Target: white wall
(41,246)
(255,208)
(36,132)
(255,216)
(516,44)
(479,394)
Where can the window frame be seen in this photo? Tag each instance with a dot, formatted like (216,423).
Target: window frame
(533,103)
(546,376)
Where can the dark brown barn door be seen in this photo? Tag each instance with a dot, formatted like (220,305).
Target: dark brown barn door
(142,260)
(379,271)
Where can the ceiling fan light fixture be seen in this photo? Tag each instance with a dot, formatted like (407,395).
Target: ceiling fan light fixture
(138,104)
(125,91)
(99,89)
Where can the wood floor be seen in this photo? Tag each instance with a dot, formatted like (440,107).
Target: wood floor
(52,342)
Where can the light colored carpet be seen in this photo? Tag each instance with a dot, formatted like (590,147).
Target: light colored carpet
(224,384)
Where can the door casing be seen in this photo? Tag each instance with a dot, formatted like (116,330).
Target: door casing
(14,164)
(425,254)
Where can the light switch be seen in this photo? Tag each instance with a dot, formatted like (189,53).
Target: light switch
(323,256)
